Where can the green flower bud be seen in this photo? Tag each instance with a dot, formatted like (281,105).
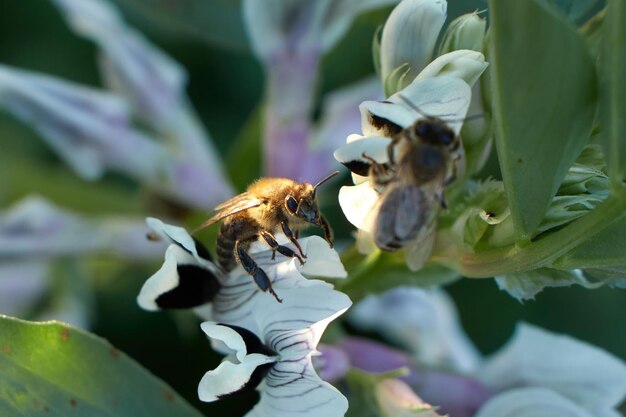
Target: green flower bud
(464,32)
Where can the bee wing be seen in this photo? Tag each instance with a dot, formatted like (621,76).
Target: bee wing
(417,251)
(235,205)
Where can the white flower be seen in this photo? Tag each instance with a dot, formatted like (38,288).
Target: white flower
(189,277)
(408,42)
(589,377)
(410,34)
(277,360)
(445,97)
(533,402)
(423,321)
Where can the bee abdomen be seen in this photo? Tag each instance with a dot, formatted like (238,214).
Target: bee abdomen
(244,231)
(401,215)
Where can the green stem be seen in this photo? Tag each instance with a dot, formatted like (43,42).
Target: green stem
(539,253)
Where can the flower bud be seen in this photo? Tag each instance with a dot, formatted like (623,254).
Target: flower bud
(464,64)
(464,32)
(409,37)
(396,399)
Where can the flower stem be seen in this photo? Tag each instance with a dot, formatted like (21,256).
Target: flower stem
(540,253)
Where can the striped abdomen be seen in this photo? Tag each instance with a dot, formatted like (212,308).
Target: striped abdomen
(244,229)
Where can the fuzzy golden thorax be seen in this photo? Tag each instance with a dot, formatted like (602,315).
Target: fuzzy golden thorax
(284,200)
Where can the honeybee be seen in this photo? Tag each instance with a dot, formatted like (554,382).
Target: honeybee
(420,161)
(269,205)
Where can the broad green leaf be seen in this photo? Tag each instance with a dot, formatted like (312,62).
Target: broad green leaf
(216,22)
(613,90)
(593,31)
(574,9)
(604,249)
(525,285)
(544,102)
(55,370)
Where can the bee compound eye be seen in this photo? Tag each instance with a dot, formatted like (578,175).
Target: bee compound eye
(423,130)
(292,204)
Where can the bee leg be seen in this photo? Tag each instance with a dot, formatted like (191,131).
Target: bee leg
(290,235)
(283,250)
(377,170)
(328,231)
(260,277)
(392,144)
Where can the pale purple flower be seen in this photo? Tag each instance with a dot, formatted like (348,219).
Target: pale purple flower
(38,229)
(456,394)
(290,38)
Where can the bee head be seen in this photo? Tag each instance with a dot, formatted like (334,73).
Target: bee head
(302,202)
(434,131)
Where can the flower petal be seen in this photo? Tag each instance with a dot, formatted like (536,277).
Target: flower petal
(357,202)
(180,283)
(236,302)
(322,260)
(182,238)
(447,98)
(353,155)
(584,373)
(464,64)
(293,328)
(229,378)
(531,402)
(410,34)
(295,389)
(152,81)
(423,321)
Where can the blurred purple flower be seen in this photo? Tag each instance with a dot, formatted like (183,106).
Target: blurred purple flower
(425,322)
(290,38)
(458,395)
(34,234)
(154,85)
(37,229)
(332,364)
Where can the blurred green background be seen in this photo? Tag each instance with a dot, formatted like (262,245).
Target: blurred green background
(226,86)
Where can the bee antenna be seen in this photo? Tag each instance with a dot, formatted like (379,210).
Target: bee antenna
(323,180)
(412,105)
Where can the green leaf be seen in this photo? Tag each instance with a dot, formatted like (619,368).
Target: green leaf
(544,102)
(604,249)
(613,92)
(525,285)
(573,9)
(216,22)
(52,369)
